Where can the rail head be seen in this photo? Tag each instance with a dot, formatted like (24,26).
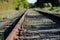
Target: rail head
(15,29)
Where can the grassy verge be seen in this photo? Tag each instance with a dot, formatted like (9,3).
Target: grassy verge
(5,14)
(1,36)
(53,9)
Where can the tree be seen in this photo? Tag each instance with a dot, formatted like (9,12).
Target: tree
(40,3)
(17,4)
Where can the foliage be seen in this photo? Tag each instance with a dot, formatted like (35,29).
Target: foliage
(13,4)
(55,9)
(42,3)
(47,5)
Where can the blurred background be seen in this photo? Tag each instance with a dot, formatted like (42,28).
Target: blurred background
(21,4)
(9,6)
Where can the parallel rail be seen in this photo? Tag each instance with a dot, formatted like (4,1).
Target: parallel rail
(15,29)
(50,13)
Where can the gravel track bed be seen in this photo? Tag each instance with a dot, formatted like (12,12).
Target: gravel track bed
(39,27)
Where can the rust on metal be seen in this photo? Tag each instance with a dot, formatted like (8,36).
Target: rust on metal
(13,32)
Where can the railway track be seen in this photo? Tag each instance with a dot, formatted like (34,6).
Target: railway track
(39,26)
(10,32)
(9,23)
(35,26)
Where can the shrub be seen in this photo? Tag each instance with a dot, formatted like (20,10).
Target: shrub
(47,5)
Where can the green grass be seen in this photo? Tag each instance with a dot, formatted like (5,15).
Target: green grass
(53,9)
(1,36)
(56,9)
(5,14)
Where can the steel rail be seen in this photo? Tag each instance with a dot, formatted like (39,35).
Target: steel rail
(15,29)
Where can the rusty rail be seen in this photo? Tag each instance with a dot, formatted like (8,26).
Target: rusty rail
(15,29)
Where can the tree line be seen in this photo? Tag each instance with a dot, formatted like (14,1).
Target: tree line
(13,4)
(21,4)
(43,3)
